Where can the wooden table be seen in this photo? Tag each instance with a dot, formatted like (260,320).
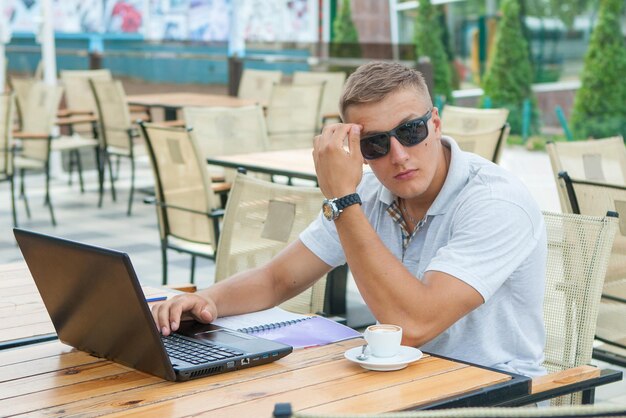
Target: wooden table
(23,316)
(172,102)
(296,163)
(54,379)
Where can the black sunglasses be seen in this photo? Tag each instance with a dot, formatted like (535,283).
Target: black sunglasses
(408,134)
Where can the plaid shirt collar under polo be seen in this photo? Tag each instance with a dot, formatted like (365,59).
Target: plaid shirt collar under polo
(456,179)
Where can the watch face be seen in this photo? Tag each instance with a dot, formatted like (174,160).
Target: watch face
(328,210)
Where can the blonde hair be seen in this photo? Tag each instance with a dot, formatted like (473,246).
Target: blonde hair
(372,82)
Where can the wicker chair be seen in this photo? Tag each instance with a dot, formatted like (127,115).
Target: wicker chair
(292,115)
(260,219)
(481,131)
(257,84)
(579,249)
(38,123)
(187,206)
(333,86)
(119,136)
(7,111)
(599,160)
(593,198)
(227,130)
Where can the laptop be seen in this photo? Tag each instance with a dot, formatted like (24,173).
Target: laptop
(96,304)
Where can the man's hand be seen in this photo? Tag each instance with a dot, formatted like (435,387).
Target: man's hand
(167,315)
(339,171)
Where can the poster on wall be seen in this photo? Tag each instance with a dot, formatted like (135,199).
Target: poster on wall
(196,20)
(69,16)
(123,16)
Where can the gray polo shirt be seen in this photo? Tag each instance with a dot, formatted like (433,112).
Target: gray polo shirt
(485,229)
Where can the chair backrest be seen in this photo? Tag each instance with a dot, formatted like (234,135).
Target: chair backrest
(488,145)
(39,116)
(227,130)
(78,93)
(600,160)
(292,115)
(7,109)
(579,248)
(182,184)
(21,88)
(333,86)
(593,198)
(257,84)
(481,131)
(260,219)
(113,112)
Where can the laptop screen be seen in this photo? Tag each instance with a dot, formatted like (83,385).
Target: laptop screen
(95,301)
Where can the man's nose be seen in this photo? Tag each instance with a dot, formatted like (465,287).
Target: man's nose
(397,151)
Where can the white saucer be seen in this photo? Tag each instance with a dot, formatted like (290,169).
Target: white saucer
(399,361)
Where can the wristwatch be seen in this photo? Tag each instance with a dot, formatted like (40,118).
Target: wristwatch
(333,207)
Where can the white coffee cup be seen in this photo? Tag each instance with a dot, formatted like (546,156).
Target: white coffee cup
(384,340)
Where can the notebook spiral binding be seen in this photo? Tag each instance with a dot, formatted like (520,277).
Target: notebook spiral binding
(274,325)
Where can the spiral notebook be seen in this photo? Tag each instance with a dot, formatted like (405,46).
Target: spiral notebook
(296,330)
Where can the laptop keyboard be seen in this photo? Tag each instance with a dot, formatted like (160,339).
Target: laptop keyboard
(194,352)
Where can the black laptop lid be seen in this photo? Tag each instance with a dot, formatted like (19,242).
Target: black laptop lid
(92,303)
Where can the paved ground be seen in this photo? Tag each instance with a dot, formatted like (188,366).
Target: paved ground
(79,218)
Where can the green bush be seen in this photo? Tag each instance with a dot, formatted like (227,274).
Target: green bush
(429,43)
(345,42)
(600,104)
(508,79)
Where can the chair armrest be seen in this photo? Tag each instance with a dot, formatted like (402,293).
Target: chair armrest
(178,123)
(563,378)
(577,379)
(183,287)
(220,187)
(30,135)
(76,119)
(64,113)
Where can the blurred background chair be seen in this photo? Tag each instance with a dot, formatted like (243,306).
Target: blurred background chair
(331,93)
(226,131)
(7,110)
(257,84)
(481,131)
(37,130)
(188,209)
(599,160)
(593,198)
(292,115)
(118,135)
(579,249)
(260,219)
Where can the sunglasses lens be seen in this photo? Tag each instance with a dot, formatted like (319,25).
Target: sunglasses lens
(412,133)
(375,146)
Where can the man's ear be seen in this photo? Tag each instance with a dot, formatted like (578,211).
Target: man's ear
(436,119)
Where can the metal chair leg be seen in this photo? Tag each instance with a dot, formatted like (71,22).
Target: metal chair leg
(47,199)
(79,166)
(23,193)
(12,180)
(164,262)
(193,267)
(132,184)
(108,160)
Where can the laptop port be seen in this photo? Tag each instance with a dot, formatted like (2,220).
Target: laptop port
(245,361)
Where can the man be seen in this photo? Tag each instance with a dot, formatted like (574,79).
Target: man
(443,243)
